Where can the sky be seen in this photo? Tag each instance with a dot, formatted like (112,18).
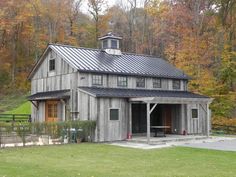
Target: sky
(84,7)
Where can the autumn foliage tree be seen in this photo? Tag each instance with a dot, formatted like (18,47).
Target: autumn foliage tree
(197,36)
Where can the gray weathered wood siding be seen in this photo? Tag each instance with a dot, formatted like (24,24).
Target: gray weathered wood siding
(63,77)
(109,80)
(92,108)
(196,125)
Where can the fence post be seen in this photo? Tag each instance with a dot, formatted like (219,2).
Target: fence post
(0,136)
(13,117)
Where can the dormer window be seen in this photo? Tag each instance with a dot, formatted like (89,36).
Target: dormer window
(114,44)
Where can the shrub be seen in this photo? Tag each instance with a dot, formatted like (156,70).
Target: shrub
(74,130)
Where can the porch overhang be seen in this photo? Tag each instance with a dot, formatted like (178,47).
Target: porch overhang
(50,95)
(171,100)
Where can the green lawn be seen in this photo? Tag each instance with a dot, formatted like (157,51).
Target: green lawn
(100,160)
(15,103)
(24,108)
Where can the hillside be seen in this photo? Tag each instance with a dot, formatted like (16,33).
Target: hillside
(15,103)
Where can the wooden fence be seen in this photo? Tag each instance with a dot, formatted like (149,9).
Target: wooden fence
(15,118)
(223,129)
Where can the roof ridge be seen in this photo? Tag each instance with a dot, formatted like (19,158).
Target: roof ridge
(71,46)
(87,48)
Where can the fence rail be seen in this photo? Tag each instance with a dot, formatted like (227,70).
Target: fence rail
(224,129)
(15,118)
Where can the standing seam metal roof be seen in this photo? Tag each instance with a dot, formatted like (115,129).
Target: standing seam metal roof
(133,93)
(95,60)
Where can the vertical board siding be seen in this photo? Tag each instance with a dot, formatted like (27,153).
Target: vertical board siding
(92,108)
(110,80)
(64,77)
(196,125)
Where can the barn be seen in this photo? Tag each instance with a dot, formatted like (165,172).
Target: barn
(125,93)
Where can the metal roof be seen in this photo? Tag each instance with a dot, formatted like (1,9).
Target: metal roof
(58,94)
(134,93)
(96,60)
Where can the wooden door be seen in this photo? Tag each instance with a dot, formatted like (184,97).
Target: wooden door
(167,118)
(51,111)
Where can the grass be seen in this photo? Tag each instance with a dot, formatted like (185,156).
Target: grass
(10,104)
(22,109)
(100,160)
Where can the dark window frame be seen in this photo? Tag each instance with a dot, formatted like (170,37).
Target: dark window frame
(139,83)
(176,84)
(122,81)
(52,65)
(194,113)
(96,81)
(155,84)
(111,114)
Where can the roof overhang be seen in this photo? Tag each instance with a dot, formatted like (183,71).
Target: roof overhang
(148,96)
(172,100)
(37,64)
(50,95)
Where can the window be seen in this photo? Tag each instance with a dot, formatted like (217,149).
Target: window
(105,44)
(176,84)
(51,64)
(140,82)
(114,114)
(97,79)
(122,81)
(114,44)
(194,113)
(52,110)
(156,83)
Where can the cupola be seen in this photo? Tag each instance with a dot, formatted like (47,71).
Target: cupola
(110,43)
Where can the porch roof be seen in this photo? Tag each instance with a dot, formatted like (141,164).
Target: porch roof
(58,94)
(146,95)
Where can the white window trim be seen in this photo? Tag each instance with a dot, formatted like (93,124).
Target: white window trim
(118,115)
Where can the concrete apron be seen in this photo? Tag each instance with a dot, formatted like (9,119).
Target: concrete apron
(189,142)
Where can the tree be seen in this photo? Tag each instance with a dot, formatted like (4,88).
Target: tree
(95,9)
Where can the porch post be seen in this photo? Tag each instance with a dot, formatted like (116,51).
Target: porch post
(130,119)
(148,123)
(208,120)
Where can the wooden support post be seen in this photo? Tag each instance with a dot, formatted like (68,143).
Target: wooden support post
(130,119)
(148,123)
(208,120)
